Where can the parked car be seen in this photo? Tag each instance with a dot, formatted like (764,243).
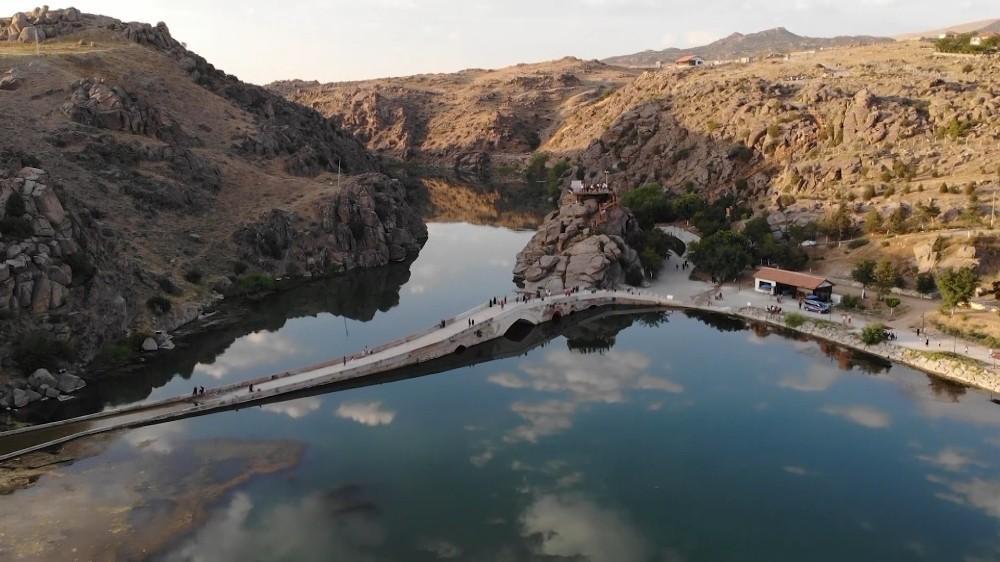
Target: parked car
(817,306)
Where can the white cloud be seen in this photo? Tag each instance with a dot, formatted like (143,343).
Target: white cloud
(818,378)
(160,439)
(795,470)
(541,420)
(976,493)
(574,526)
(950,459)
(862,415)
(247,352)
(316,528)
(367,413)
(295,409)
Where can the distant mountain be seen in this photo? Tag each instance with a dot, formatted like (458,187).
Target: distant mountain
(969,27)
(770,41)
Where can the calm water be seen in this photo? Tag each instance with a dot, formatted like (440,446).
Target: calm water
(654,437)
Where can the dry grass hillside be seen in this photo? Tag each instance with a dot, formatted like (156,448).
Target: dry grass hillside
(147,182)
(466,120)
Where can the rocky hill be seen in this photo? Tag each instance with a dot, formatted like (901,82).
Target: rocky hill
(138,183)
(472,121)
(802,135)
(737,45)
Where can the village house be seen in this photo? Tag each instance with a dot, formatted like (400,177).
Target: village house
(979,39)
(773,281)
(689,60)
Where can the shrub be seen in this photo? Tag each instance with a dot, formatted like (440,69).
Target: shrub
(851,302)
(970,188)
(15,206)
(967,68)
(255,283)
(83,270)
(869,193)
(873,334)
(890,191)
(16,227)
(158,305)
(194,276)
(794,320)
(773,131)
(926,284)
(39,350)
(943,190)
(168,286)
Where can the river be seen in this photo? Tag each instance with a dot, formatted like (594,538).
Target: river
(659,437)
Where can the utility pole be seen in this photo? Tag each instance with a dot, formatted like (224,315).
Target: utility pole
(993,207)
(338,174)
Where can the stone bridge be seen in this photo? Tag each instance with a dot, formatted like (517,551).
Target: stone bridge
(452,336)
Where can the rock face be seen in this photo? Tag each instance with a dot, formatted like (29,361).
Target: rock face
(39,24)
(369,223)
(98,104)
(575,248)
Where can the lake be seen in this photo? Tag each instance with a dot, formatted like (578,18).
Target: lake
(617,437)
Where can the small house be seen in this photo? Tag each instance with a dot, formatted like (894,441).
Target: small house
(689,60)
(775,281)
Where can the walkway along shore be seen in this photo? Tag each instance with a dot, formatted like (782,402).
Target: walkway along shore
(454,336)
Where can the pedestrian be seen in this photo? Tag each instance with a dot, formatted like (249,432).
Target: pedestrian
(918,331)
(800,304)
(927,342)
(195,391)
(251,388)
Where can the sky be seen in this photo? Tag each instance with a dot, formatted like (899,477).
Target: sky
(337,40)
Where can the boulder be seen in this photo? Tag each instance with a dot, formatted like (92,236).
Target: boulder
(31,34)
(18,22)
(8,83)
(41,377)
(41,298)
(20,398)
(48,205)
(70,383)
(149,345)
(51,392)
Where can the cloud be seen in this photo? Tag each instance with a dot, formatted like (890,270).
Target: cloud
(441,549)
(574,526)
(817,379)
(977,493)
(247,352)
(367,413)
(588,378)
(950,459)
(160,439)
(862,415)
(796,470)
(316,528)
(295,409)
(542,419)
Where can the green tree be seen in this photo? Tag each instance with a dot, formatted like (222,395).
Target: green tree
(873,221)
(837,224)
(649,204)
(926,283)
(897,221)
(724,254)
(892,303)
(886,277)
(957,286)
(873,334)
(864,273)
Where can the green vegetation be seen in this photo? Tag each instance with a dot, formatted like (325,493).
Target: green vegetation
(851,302)
(15,207)
(926,284)
(885,277)
(794,320)
(786,253)
(873,334)
(40,350)
(955,129)
(957,286)
(723,254)
(194,276)
(548,180)
(654,246)
(873,221)
(158,305)
(254,283)
(892,303)
(962,43)
(837,224)
(869,193)
(864,273)
(16,227)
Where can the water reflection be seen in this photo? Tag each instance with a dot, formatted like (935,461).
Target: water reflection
(572,526)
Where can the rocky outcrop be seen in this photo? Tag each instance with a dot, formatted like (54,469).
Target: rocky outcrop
(576,247)
(98,104)
(39,24)
(368,223)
